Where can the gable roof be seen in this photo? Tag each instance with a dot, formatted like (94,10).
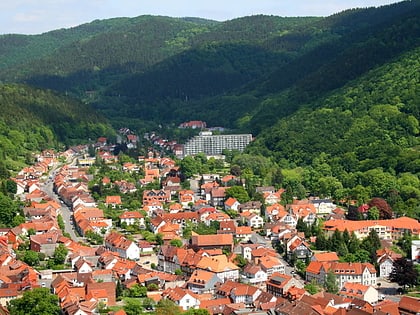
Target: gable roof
(410,304)
(212,240)
(113,200)
(325,257)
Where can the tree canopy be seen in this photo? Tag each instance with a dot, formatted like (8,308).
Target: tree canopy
(38,301)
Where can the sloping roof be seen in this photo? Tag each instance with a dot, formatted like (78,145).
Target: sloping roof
(230,201)
(212,240)
(411,304)
(216,264)
(325,257)
(113,200)
(398,223)
(131,215)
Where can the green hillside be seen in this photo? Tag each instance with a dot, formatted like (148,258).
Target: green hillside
(248,82)
(360,141)
(344,87)
(33,119)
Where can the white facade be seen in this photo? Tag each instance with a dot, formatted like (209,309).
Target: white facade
(210,144)
(228,275)
(132,221)
(415,250)
(187,302)
(247,299)
(255,221)
(289,220)
(385,268)
(323,206)
(259,277)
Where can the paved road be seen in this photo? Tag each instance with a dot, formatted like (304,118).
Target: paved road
(388,289)
(65,211)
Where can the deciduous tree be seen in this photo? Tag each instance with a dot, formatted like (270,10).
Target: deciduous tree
(38,301)
(403,272)
(331,283)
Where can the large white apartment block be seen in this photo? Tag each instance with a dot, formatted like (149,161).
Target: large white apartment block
(210,144)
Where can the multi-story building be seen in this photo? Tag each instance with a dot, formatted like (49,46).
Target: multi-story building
(363,273)
(392,229)
(210,144)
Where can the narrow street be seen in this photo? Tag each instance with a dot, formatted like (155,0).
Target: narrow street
(66,213)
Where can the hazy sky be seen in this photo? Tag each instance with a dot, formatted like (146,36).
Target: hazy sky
(38,16)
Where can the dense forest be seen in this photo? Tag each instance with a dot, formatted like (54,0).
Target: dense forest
(33,119)
(332,101)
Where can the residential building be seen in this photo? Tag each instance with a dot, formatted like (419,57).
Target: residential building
(210,144)
(113,201)
(409,306)
(385,259)
(156,195)
(415,250)
(251,219)
(8,294)
(270,265)
(363,273)
(254,274)
(132,218)
(359,291)
(232,204)
(325,257)
(251,206)
(123,246)
(45,243)
(279,284)
(202,282)
(392,229)
(220,266)
(323,206)
(184,298)
(297,246)
(213,241)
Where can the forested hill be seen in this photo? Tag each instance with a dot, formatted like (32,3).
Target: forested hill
(362,140)
(33,119)
(333,102)
(242,73)
(246,74)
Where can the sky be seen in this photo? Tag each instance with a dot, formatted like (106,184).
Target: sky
(39,16)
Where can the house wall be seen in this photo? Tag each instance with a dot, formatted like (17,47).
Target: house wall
(228,275)
(371,295)
(385,268)
(259,277)
(188,302)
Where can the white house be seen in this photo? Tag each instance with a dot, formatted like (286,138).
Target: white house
(253,220)
(232,204)
(85,200)
(415,250)
(385,260)
(323,206)
(82,266)
(184,298)
(360,291)
(254,274)
(287,218)
(132,218)
(243,293)
(123,246)
(271,265)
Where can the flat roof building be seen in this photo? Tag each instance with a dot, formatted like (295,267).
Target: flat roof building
(210,144)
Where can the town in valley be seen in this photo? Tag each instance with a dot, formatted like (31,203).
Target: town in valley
(108,233)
